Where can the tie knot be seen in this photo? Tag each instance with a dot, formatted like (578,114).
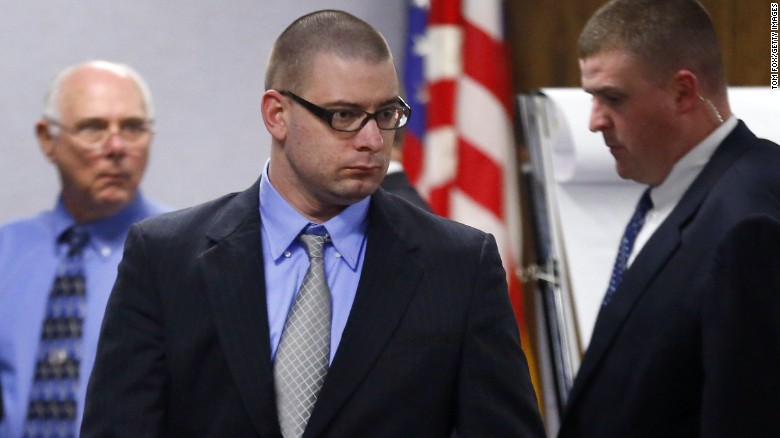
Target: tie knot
(645,203)
(314,244)
(76,237)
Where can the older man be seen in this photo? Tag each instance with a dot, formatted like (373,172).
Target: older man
(57,268)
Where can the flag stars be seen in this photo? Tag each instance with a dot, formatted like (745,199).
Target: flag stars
(421,45)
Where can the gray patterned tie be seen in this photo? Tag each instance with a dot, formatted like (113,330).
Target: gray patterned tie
(302,357)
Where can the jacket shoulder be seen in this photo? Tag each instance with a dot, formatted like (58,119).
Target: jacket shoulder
(429,229)
(198,219)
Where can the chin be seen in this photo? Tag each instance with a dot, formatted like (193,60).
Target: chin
(623,174)
(115,198)
(622,170)
(354,195)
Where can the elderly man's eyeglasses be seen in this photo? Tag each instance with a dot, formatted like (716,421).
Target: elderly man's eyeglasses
(351,120)
(96,131)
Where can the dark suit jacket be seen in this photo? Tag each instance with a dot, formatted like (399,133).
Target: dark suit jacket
(671,356)
(431,341)
(398,184)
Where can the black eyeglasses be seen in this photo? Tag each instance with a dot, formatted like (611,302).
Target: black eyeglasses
(351,120)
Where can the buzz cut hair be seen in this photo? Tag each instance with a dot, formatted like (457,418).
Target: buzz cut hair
(665,36)
(323,32)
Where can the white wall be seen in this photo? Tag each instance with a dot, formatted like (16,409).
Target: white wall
(204,61)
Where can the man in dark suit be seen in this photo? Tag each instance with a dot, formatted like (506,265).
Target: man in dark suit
(686,343)
(422,338)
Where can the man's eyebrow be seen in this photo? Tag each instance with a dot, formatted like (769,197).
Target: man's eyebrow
(395,99)
(90,120)
(102,119)
(605,89)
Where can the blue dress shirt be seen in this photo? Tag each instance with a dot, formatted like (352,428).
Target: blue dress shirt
(29,257)
(285,260)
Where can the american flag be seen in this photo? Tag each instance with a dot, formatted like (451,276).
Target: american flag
(459,147)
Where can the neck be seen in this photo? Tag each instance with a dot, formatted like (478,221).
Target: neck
(717,109)
(85,211)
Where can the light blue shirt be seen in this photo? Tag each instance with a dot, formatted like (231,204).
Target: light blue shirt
(29,257)
(285,260)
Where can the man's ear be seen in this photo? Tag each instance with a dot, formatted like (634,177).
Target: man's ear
(275,114)
(686,90)
(45,139)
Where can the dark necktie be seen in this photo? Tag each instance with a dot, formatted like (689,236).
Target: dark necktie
(302,356)
(627,243)
(52,408)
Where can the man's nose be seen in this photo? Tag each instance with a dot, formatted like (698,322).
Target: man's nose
(114,143)
(370,136)
(598,118)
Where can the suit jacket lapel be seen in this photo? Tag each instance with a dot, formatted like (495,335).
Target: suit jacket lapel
(232,273)
(654,256)
(383,294)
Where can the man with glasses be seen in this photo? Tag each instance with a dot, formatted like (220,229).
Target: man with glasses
(402,325)
(96,130)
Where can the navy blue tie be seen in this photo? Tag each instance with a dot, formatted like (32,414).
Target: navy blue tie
(627,243)
(52,409)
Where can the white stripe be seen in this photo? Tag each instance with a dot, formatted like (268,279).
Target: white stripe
(483,121)
(442,49)
(465,210)
(440,162)
(486,15)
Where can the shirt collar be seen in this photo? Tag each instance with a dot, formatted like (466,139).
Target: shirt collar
(394,167)
(690,166)
(282,224)
(110,231)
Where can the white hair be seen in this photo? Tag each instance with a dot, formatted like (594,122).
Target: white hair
(51,109)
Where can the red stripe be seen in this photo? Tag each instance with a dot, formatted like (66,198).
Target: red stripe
(487,62)
(441,106)
(444,12)
(412,156)
(480,178)
(439,199)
